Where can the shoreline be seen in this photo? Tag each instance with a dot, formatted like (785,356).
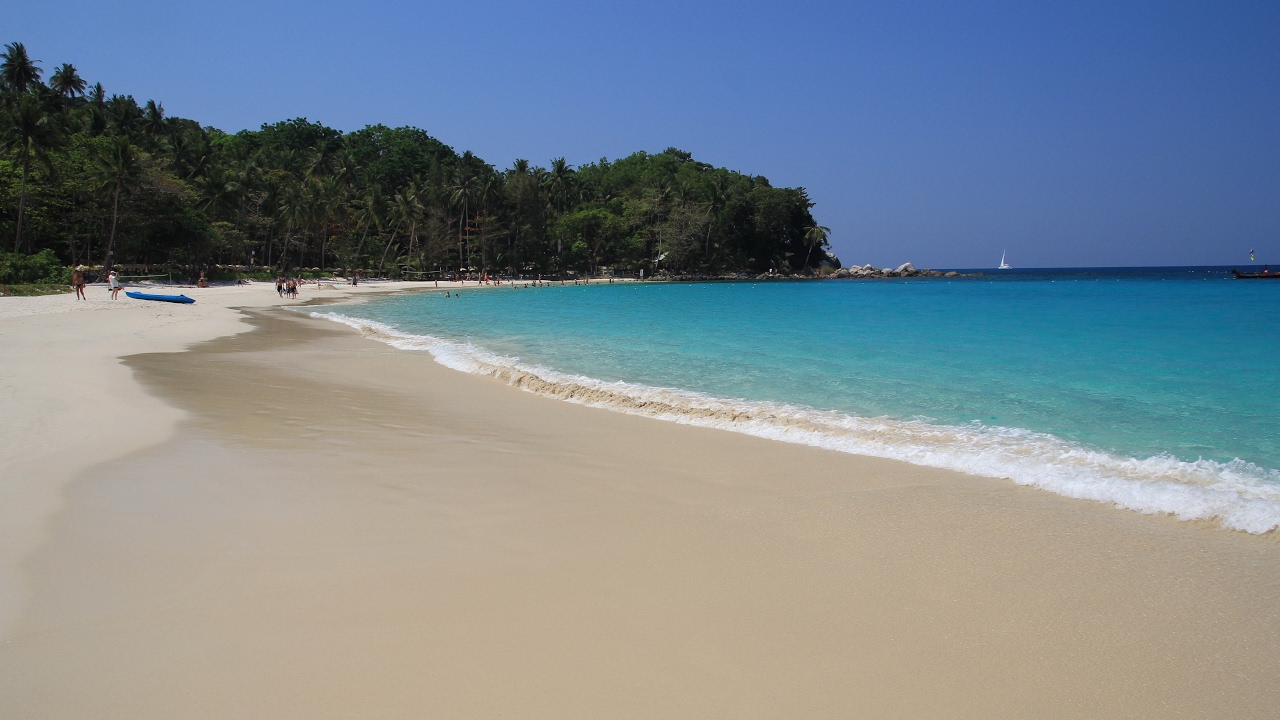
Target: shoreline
(1240,496)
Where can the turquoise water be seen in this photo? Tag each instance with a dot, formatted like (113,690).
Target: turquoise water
(1151,389)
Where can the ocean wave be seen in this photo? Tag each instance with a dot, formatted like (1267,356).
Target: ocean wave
(1241,495)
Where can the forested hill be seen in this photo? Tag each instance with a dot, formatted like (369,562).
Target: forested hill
(91,176)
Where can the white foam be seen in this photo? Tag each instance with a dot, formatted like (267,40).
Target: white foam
(1241,495)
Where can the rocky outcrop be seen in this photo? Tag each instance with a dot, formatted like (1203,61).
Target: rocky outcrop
(904,270)
(866,272)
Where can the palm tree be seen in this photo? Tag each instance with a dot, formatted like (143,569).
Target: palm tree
(188,153)
(411,208)
(96,111)
(463,193)
(295,212)
(815,235)
(31,130)
(18,72)
(66,82)
(368,212)
(560,181)
(329,194)
(718,198)
(216,186)
(153,120)
(117,170)
(406,209)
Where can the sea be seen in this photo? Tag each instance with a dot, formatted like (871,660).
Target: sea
(1152,389)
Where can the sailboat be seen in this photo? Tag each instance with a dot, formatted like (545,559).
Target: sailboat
(1004,265)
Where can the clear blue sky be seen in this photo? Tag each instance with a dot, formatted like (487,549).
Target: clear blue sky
(937,132)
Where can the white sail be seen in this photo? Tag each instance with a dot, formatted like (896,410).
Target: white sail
(1004,265)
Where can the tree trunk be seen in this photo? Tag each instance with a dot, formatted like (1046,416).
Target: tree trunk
(413,235)
(382,263)
(22,199)
(360,247)
(111,241)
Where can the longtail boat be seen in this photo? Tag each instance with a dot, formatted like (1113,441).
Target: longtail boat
(1264,275)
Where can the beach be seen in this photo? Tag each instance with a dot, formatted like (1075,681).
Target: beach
(232,509)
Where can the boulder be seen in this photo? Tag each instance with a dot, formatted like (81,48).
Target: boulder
(906,269)
(953,273)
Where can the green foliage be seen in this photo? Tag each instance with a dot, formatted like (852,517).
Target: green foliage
(92,173)
(43,267)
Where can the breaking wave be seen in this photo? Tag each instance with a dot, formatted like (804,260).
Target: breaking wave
(1241,495)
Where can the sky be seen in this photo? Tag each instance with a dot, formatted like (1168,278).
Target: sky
(941,133)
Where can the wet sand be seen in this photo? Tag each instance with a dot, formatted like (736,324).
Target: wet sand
(341,529)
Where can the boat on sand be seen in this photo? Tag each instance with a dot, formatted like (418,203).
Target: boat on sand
(162,298)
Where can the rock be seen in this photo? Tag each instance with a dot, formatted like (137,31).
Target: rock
(953,273)
(906,269)
(842,273)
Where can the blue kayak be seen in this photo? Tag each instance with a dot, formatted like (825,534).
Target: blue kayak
(162,298)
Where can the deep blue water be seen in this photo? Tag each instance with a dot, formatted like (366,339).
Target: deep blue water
(1169,363)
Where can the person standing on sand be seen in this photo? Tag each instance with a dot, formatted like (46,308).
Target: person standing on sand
(114,281)
(280,285)
(77,282)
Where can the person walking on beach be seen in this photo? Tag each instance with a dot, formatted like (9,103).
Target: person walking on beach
(77,282)
(114,281)
(280,285)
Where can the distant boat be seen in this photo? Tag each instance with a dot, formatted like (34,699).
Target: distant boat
(162,298)
(1264,275)
(1004,265)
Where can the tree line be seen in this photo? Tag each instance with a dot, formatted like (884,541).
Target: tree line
(99,179)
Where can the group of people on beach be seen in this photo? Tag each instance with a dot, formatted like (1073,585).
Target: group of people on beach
(287,287)
(78,283)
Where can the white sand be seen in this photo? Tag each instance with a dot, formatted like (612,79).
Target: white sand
(67,404)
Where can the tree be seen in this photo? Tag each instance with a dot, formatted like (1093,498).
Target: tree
(368,211)
(815,235)
(117,170)
(66,82)
(18,72)
(406,208)
(30,130)
(560,182)
(463,194)
(153,120)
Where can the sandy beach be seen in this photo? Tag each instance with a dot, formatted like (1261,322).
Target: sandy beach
(230,509)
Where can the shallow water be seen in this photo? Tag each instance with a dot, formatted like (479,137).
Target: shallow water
(1152,389)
